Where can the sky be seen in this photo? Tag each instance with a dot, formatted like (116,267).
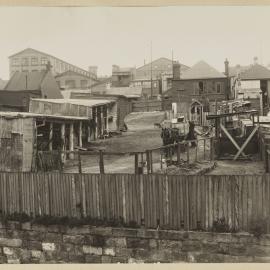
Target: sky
(104,36)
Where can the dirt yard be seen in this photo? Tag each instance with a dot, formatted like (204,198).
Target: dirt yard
(143,135)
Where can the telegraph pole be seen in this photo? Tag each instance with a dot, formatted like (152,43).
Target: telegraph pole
(151,73)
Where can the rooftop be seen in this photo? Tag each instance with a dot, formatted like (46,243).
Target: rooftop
(135,91)
(255,72)
(26,81)
(82,102)
(201,70)
(48,55)
(37,115)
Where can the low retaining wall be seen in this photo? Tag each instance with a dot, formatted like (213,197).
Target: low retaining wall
(30,243)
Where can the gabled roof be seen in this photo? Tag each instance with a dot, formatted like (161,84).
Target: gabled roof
(234,71)
(201,70)
(21,81)
(255,72)
(158,60)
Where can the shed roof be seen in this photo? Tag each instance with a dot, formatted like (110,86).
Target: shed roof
(37,115)
(201,70)
(135,91)
(82,102)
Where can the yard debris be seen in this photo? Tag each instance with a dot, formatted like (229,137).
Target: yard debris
(197,168)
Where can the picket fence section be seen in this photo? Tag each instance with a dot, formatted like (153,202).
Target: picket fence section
(172,202)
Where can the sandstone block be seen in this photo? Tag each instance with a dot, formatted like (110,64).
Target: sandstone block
(104,231)
(116,242)
(26,226)
(53,237)
(92,259)
(48,246)
(8,251)
(13,261)
(92,250)
(34,245)
(119,259)
(78,230)
(124,232)
(10,242)
(137,243)
(36,254)
(73,258)
(106,259)
(73,239)
(109,251)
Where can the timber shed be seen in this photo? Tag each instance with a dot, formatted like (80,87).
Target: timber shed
(23,134)
(102,113)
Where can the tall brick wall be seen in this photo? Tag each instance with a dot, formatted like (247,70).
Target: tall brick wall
(30,243)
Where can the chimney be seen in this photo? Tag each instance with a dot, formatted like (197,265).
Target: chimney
(115,68)
(255,60)
(93,70)
(176,70)
(226,62)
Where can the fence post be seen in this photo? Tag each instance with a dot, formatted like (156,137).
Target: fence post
(187,152)
(60,160)
(266,159)
(136,163)
(148,161)
(178,153)
(101,162)
(211,148)
(79,162)
(204,143)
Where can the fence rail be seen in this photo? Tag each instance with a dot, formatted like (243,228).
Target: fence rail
(172,202)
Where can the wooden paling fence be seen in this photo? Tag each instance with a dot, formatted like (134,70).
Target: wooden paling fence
(171,202)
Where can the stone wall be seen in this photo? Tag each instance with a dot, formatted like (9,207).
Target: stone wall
(31,243)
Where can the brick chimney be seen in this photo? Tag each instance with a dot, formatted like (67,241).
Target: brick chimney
(115,68)
(176,70)
(255,60)
(226,62)
(93,70)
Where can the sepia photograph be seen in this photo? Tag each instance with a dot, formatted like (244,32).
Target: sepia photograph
(135,134)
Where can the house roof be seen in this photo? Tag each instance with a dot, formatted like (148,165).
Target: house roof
(234,71)
(157,60)
(82,102)
(21,81)
(255,72)
(201,70)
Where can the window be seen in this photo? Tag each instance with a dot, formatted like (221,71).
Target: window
(25,62)
(44,61)
(70,84)
(34,61)
(15,62)
(155,84)
(83,83)
(218,88)
(201,87)
(34,70)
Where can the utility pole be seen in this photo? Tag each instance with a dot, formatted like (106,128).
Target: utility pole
(151,73)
